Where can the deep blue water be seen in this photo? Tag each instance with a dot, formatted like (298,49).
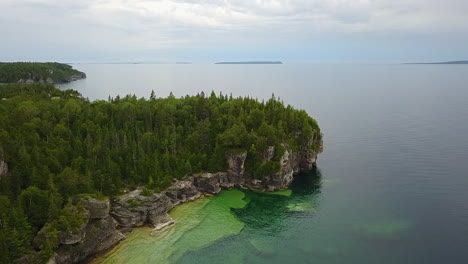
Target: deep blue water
(392,183)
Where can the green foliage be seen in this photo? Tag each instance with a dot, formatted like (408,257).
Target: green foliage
(71,218)
(35,203)
(267,168)
(71,182)
(279,152)
(59,146)
(146,191)
(97,196)
(35,71)
(15,231)
(47,239)
(132,203)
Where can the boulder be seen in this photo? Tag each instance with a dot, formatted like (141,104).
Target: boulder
(134,209)
(162,221)
(69,237)
(228,181)
(183,191)
(101,234)
(158,208)
(96,208)
(207,183)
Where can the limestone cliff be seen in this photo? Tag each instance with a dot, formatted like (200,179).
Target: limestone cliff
(104,219)
(50,80)
(98,232)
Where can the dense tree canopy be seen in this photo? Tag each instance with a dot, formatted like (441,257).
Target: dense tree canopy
(59,145)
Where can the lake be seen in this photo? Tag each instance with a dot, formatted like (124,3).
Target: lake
(391,185)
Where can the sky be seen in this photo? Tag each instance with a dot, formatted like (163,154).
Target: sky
(222,30)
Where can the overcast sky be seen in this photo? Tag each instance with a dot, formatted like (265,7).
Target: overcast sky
(214,30)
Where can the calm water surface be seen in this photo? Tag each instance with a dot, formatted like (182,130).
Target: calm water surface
(391,185)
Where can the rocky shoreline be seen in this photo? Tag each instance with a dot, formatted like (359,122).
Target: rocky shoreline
(49,80)
(106,221)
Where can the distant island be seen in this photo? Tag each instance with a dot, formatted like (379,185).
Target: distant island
(445,62)
(249,62)
(37,72)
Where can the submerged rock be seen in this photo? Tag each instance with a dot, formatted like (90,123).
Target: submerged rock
(162,221)
(385,229)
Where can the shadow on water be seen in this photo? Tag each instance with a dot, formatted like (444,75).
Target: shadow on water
(266,211)
(268,218)
(307,182)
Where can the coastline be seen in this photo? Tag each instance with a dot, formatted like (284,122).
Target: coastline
(107,220)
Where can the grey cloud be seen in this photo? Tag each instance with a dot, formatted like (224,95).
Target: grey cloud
(90,25)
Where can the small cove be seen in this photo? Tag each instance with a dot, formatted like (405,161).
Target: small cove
(201,223)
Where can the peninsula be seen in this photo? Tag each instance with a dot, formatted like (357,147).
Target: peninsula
(37,72)
(75,175)
(249,62)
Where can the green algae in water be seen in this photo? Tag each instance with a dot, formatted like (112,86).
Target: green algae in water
(286,192)
(384,229)
(236,226)
(300,207)
(197,224)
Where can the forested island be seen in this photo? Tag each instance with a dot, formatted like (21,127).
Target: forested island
(249,62)
(444,62)
(38,72)
(75,175)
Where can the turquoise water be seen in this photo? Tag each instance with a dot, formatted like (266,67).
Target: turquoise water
(391,185)
(226,228)
(197,225)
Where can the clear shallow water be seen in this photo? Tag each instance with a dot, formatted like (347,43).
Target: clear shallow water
(392,183)
(198,224)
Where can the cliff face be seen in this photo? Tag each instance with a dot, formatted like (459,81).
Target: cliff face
(103,219)
(97,233)
(74,77)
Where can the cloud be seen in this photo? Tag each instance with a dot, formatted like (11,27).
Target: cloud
(103,25)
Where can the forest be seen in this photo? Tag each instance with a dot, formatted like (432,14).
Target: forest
(59,145)
(52,72)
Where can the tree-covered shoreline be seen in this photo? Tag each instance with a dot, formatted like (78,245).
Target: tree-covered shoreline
(38,72)
(59,145)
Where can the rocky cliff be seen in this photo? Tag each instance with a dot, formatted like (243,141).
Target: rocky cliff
(104,219)
(50,80)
